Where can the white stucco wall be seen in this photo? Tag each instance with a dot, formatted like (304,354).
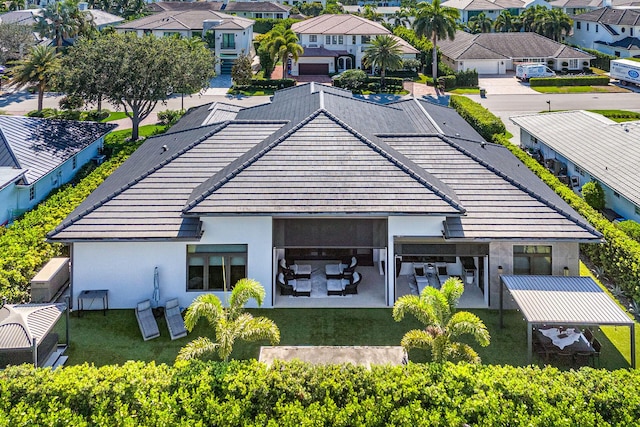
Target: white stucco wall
(126,268)
(590,32)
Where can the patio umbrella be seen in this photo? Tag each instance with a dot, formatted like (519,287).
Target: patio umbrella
(156,287)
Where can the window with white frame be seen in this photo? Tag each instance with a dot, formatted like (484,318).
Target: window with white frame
(313,38)
(365,39)
(32,192)
(573,63)
(258,15)
(228,41)
(532,260)
(335,39)
(215,267)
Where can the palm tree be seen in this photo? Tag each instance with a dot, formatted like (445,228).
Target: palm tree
(531,17)
(38,67)
(282,44)
(554,23)
(400,18)
(436,310)
(230,323)
(480,23)
(436,23)
(505,22)
(384,52)
(61,20)
(17,5)
(371,14)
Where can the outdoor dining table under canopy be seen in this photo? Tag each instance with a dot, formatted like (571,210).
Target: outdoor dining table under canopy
(562,301)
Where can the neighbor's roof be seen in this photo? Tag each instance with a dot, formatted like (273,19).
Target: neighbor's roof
(21,323)
(182,6)
(608,151)
(339,24)
(102,18)
(9,175)
(19,17)
(181,20)
(576,4)
(316,149)
(41,145)
(476,5)
(629,43)
(506,45)
(256,6)
(609,16)
(564,301)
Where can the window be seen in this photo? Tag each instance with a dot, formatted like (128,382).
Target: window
(637,210)
(587,26)
(228,41)
(313,38)
(32,192)
(578,25)
(74,162)
(579,170)
(597,27)
(622,29)
(573,64)
(534,260)
(279,16)
(365,39)
(327,39)
(211,267)
(258,15)
(631,31)
(353,39)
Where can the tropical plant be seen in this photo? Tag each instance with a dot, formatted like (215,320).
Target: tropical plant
(593,194)
(229,323)
(480,23)
(531,17)
(400,18)
(38,68)
(282,44)
(63,19)
(384,51)
(555,23)
(17,5)
(353,80)
(436,23)
(370,12)
(15,41)
(241,72)
(436,309)
(505,22)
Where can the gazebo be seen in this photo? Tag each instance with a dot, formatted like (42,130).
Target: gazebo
(25,332)
(561,301)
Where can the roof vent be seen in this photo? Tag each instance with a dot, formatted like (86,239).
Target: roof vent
(483,144)
(165,148)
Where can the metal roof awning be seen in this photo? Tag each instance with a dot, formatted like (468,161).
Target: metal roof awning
(561,300)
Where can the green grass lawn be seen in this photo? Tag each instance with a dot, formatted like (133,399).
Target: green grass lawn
(115,115)
(465,90)
(619,115)
(577,89)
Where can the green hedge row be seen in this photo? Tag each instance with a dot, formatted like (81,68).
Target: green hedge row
(482,120)
(23,249)
(264,25)
(295,394)
(569,81)
(619,255)
(259,84)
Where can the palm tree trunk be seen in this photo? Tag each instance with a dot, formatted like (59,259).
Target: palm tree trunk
(40,96)
(434,60)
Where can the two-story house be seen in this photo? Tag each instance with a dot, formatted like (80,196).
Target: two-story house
(257,9)
(335,43)
(612,31)
(491,8)
(231,35)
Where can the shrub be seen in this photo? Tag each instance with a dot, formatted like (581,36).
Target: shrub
(631,228)
(593,195)
(169,117)
(449,82)
(264,25)
(482,120)
(45,113)
(570,81)
(467,78)
(71,102)
(352,80)
(96,116)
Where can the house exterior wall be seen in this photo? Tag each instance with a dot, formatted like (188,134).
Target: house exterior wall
(266,15)
(356,48)
(613,199)
(586,33)
(126,268)
(16,198)
(563,254)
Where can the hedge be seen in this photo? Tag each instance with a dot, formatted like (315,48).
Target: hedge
(23,248)
(569,81)
(295,394)
(482,120)
(264,25)
(261,84)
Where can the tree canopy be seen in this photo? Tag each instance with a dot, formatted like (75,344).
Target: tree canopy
(135,73)
(63,19)
(384,52)
(15,41)
(435,22)
(38,68)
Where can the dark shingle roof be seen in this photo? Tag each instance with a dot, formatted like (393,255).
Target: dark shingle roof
(256,6)
(181,6)
(625,43)
(609,16)
(41,145)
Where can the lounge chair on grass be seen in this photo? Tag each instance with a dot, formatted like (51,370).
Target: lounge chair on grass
(146,321)
(175,323)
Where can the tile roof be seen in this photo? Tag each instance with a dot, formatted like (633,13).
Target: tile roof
(19,16)
(506,45)
(256,6)
(339,24)
(101,18)
(473,5)
(608,151)
(181,6)
(629,43)
(41,145)
(609,16)
(180,20)
(317,150)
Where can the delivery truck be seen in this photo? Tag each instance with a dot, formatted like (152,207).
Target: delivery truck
(525,72)
(626,71)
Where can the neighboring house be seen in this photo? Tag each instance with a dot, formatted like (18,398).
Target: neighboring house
(39,155)
(387,12)
(318,175)
(582,146)
(491,8)
(101,19)
(26,17)
(232,34)
(334,43)
(293,2)
(577,7)
(180,6)
(612,31)
(258,9)
(497,53)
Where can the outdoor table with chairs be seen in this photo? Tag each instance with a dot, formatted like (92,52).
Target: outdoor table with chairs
(566,345)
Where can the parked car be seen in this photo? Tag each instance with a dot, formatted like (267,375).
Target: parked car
(526,71)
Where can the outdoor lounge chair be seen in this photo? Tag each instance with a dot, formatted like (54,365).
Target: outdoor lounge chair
(146,321)
(175,323)
(341,271)
(295,271)
(295,287)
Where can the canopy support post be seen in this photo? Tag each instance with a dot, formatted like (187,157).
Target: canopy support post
(529,342)
(633,345)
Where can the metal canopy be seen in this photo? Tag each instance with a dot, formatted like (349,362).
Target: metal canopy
(560,300)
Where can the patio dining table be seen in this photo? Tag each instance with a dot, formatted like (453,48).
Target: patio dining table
(571,339)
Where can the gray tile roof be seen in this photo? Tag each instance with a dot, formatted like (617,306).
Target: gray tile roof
(629,43)
(19,17)
(609,16)
(315,150)
(256,6)
(181,6)
(41,145)
(608,151)
(564,300)
(207,114)
(473,5)
(180,20)
(506,45)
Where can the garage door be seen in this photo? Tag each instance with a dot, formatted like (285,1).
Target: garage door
(482,67)
(313,69)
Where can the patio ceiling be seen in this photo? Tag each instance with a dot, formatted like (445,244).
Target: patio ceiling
(560,300)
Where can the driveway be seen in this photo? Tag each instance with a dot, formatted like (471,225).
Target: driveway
(504,84)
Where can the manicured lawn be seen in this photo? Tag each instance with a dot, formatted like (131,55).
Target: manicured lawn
(619,115)
(115,115)
(577,89)
(465,90)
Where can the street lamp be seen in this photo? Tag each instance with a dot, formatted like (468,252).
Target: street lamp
(549,103)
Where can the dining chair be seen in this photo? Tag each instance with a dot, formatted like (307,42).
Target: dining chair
(597,347)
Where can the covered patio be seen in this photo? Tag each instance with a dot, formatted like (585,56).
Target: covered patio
(564,301)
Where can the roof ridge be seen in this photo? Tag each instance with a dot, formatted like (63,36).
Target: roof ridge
(386,150)
(79,216)
(512,181)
